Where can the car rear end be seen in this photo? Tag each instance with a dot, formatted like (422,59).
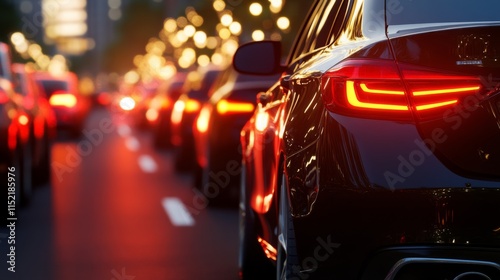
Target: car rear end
(184,113)
(225,114)
(410,157)
(69,106)
(5,123)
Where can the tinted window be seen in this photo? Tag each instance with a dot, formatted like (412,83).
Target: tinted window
(246,95)
(439,11)
(51,86)
(208,80)
(321,27)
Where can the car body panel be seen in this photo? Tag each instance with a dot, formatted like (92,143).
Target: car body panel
(72,116)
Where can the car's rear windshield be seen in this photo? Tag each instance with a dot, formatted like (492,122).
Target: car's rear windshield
(51,86)
(441,11)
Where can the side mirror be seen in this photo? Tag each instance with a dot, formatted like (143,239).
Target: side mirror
(259,58)
(264,97)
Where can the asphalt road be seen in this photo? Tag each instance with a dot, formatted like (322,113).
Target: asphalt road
(116,210)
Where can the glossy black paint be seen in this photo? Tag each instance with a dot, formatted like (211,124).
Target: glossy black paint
(267,62)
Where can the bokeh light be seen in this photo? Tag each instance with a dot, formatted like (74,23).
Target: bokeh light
(258,35)
(219,5)
(283,23)
(255,9)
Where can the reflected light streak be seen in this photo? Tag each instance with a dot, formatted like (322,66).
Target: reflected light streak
(269,250)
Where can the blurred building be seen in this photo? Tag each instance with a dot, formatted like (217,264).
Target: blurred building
(75,28)
(31,19)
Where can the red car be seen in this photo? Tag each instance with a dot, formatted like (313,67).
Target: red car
(217,133)
(185,110)
(42,120)
(160,109)
(15,148)
(70,107)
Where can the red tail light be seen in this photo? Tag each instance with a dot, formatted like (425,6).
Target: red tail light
(227,107)
(3,97)
(192,106)
(203,120)
(378,88)
(63,100)
(23,119)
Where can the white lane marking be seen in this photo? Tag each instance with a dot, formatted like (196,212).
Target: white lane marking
(147,164)
(177,212)
(132,143)
(124,130)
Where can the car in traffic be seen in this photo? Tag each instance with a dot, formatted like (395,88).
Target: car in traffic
(71,108)
(160,109)
(15,136)
(376,154)
(42,120)
(195,92)
(216,133)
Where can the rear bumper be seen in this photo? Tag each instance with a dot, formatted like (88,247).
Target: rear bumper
(67,119)
(365,234)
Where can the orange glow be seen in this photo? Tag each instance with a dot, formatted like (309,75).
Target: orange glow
(365,88)
(12,141)
(435,105)
(179,106)
(268,200)
(445,91)
(39,128)
(203,120)
(3,97)
(192,106)
(127,103)
(166,103)
(354,101)
(152,115)
(225,106)
(269,250)
(63,99)
(23,119)
(261,121)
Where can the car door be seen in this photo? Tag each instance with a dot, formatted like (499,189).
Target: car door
(275,105)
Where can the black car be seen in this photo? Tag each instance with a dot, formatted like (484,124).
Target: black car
(217,133)
(186,108)
(15,144)
(378,155)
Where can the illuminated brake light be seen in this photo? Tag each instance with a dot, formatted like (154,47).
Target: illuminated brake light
(383,89)
(446,91)
(203,120)
(435,105)
(64,100)
(23,119)
(354,101)
(224,107)
(365,88)
(152,115)
(192,106)
(176,116)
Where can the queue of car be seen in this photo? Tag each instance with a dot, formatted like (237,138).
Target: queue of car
(33,106)
(371,153)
